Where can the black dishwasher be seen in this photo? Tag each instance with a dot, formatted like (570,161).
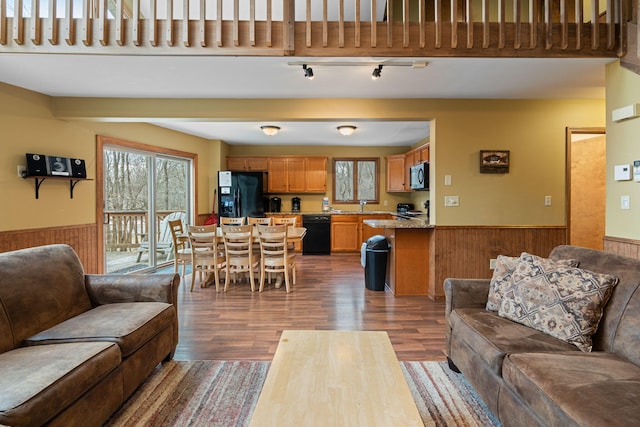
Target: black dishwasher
(317,241)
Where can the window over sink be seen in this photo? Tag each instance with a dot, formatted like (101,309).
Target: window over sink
(356,179)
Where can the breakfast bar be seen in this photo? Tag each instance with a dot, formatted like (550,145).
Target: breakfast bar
(408,265)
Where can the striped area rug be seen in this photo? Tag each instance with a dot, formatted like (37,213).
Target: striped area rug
(221,393)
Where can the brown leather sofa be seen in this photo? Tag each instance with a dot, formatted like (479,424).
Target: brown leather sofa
(528,378)
(73,347)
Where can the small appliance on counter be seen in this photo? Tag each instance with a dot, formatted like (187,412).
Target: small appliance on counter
(276,204)
(295,204)
(404,208)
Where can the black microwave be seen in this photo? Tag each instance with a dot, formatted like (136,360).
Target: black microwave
(419,178)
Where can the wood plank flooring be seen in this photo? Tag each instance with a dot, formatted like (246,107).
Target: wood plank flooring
(329,295)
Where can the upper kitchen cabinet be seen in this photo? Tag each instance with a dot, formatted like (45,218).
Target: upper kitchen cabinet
(247,164)
(396,173)
(297,174)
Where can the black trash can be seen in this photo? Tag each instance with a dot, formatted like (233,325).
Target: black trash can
(375,266)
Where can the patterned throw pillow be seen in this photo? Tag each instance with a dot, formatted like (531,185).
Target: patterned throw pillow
(502,280)
(564,302)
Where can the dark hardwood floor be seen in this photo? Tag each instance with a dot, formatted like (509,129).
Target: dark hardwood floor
(329,295)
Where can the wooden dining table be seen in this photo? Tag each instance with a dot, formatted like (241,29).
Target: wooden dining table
(294,235)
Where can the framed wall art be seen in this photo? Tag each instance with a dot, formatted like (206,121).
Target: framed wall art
(494,161)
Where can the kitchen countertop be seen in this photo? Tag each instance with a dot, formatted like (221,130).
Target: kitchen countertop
(333,212)
(397,223)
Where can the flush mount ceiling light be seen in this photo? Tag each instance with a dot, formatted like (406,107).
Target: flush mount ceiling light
(346,130)
(376,72)
(270,130)
(308,71)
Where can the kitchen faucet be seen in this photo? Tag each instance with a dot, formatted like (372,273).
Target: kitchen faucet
(362,203)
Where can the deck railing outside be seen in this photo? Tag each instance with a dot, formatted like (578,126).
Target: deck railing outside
(125,230)
(528,28)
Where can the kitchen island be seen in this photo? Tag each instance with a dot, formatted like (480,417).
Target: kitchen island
(408,266)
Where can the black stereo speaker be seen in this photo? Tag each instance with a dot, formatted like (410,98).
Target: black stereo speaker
(36,164)
(78,168)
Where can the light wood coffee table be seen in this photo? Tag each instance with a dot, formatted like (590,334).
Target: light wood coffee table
(335,378)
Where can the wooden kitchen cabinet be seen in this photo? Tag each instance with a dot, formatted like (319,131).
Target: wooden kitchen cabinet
(345,236)
(247,164)
(297,174)
(316,174)
(396,173)
(365,231)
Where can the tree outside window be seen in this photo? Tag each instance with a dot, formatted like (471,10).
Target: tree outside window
(355,179)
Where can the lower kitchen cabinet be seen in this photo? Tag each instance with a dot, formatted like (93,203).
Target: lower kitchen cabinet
(344,233)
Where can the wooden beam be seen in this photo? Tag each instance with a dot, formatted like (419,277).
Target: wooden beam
(185,23)
(202,30)
(595,28)
(517,11)
(374,25)
(356,34)
(18,22)
(236,22)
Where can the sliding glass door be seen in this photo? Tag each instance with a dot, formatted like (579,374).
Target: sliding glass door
(142,191)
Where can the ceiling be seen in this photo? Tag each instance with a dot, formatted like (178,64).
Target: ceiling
(276,77)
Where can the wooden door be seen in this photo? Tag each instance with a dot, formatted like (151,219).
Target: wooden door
(344,233)
(587,185)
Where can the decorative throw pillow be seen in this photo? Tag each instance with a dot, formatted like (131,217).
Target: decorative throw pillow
(564,302)
(502,280)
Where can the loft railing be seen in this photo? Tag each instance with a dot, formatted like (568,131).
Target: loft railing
(483,28)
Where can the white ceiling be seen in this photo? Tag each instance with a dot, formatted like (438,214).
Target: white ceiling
(274,77)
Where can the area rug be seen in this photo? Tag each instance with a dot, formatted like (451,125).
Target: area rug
(224,394)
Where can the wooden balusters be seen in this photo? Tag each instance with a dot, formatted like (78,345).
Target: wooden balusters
(185,23)
(202,30)
(325,25)
(307,37)
(517,37)
(389,23)
(595,28)
(533,24)
(268,35)
(135,28)
(454,24)
(469,25)
(252,22)
(341,24)
(52,28)
(3,22)
(405,23)
(579,21)
(236,20)
(356,41)
(501,24)
(219,24)
(422,16)
(374,25)
(18,22)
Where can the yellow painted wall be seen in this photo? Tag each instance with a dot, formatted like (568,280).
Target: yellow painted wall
(623,147)
(27,125)
(534,132)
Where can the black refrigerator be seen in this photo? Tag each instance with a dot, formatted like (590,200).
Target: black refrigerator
(241,194)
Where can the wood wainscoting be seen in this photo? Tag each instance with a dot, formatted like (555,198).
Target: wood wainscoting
(82,238)
(621,246)
(465,251)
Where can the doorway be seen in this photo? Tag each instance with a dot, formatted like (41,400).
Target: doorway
(141,189)
(586,187)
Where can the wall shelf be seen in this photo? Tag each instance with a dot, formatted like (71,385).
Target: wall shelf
(72,182)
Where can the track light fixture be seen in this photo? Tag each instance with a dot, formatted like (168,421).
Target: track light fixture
(346,130)
(308,71)
(376,72)
(269,130)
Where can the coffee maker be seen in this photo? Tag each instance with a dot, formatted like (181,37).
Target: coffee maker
(295,204)
(276,204)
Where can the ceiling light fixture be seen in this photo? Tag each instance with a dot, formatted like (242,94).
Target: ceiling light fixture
(269,130)
(308,71)
(346,130)
(376,72)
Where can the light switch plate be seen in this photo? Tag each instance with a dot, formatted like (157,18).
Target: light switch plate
(447,180)
(624,202)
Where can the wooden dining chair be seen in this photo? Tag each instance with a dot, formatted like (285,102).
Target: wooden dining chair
(181,251)
(290,221)
(262,221)
(231,221)
(240,256)
(275,256)
(206,255)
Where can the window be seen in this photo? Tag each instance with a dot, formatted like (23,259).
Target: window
(355,179)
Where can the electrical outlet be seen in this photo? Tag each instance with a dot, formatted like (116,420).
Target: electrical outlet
(547,200)
(451,201)
(386,203)
(624,202)
(492,264)
(22,171)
